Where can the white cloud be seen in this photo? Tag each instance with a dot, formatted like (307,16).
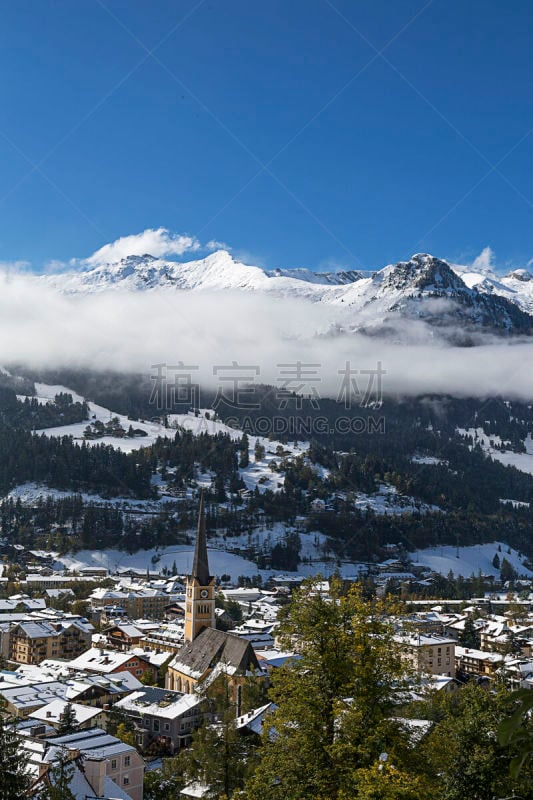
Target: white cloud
(14,266)
(131,331)
(484,261)
(158,242)
(214,244)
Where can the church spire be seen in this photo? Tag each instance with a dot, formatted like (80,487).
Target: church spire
(200,567)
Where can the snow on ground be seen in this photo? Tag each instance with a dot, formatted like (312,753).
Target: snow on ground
(471,559)
(433,460)
(522,461)
(258,473)
(312,545)
(46,393)
(515,503)
(220,562)
(30,493)
(387,501)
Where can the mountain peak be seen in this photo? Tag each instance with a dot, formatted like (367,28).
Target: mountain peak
(422,272)
(520,275)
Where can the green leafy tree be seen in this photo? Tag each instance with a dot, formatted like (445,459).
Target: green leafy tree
(463,752)
(125,734)
(384,782)
(334,703)
(516,731)
(147,678)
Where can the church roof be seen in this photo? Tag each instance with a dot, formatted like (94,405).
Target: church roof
(212,647)
(200,567)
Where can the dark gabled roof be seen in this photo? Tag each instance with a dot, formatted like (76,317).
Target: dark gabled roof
(212,647)
(200,567)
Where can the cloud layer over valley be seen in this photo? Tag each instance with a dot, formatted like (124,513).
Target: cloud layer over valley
(132,331)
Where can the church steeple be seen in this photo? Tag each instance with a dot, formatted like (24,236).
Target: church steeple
(200,567)
(200,586)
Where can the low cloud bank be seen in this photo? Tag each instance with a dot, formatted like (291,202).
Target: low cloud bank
(134,331)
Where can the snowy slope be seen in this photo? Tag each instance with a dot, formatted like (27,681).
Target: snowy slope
(220,562)
(516,286)
(522,461)
(470,560)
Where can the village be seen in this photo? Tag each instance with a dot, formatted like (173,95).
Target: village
(116,682)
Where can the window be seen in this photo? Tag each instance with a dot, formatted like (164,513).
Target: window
(127,760)
(126,780)
(167,726)
(156,724)
(113,763)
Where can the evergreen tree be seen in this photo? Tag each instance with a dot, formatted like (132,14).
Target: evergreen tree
(59,779)
(245,458)
(67,721)
(14,778)
(507,572)
(165,783)
(221,756)
(496,561)
(259,450)
(469,636)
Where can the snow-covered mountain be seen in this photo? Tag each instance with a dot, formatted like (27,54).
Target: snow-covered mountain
(516,286)
(424,288)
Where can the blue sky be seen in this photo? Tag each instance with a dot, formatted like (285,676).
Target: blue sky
(311,133)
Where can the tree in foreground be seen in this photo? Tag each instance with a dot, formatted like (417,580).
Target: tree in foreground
(334,704)
(14,778)
(221,756)
(60,776)
(165,783)
(463,751)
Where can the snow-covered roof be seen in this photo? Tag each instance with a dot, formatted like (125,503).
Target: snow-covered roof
(53,710)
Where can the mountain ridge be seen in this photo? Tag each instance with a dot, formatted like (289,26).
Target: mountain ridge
(409,289)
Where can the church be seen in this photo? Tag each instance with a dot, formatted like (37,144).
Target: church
(206,651)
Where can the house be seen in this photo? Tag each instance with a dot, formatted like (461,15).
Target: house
(477,662)
(112,768)
(123,636)
(168,718)
(137,602)
(196,660)
(86,716)
(108,662)
(87,778)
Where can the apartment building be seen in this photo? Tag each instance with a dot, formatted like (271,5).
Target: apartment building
(31,642)
(434,655)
